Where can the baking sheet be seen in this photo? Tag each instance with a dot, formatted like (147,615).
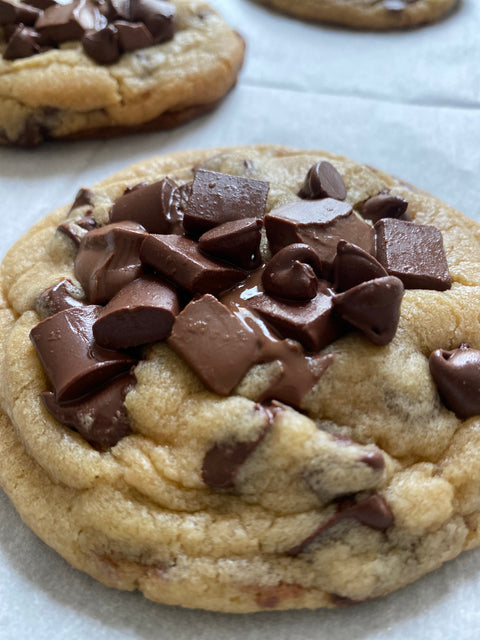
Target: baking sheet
(405,102)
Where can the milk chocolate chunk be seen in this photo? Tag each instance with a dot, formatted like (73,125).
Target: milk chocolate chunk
(108,259)
(13,12)
(385,205)
(457,376)
(61,23)
(323,181)
(311,323)
(83,198)
(179,259)
(321,224)
(157,15)
(237,242)
(292,273)
(61,296)
(140,313)
(414,253)
(132,36)
(353,265)
(214,342)
(42,4)
(75,230)
(100,418)
(8,11)
(373,307)
(22,44)
(218,197)
(148,205)
(73,362)
(102,45)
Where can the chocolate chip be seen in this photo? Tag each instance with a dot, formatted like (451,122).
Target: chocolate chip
(292,273)
(157,15)
(203,334)
(22,44)
(61,296)
(179,259)
(132,36)
(8,11)
(102,45)
(353,265)
(373,307)
(148,205)
(321,224)
(83,198)
(311,323)
(223,461)
(13,12)
(457,376)
(323,181)
(373,459)
(42,4)
(100,418)
(384,205)
(75,230)
(62,23)
(414,253)
(237,242)
(217,198)
(74,364)
(108,259)
(140,313)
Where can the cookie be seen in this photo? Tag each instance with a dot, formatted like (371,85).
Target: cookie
(367,14)
(97,68)
(245,379)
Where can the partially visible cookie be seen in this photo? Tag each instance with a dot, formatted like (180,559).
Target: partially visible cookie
(367,14)
(245,379)
(96,68)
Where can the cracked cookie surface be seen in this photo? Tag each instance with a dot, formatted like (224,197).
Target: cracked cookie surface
(301,524)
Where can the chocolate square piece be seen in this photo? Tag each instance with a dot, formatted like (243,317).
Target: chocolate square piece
(218,197)
(414,253)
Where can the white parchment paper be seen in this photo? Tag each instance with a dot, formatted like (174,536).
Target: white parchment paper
(406,102)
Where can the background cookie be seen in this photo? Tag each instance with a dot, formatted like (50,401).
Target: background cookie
(367,14)
(66,93)
(147,514)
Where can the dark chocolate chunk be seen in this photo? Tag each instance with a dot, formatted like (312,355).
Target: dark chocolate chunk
(8,11)
(140,313)
(179,259)
(353,265)
(61,23)
(373,307)
(384,205)
(321,224)
(218,197)
(100,418)
(223,461)
(108,259)
(61,296)
(148,205)
(158,16)
(323,181)
(414,253)
(102,45)
(457,376)
(42,4)
(74,364)
(292,273)
(132,36)
(75,230)
(215,343)
(83,198)
(22,44)
(13,12)
(237,242)
(311,323)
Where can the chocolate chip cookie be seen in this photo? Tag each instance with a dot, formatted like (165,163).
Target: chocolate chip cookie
(367,14)
(245,379)
(95,68)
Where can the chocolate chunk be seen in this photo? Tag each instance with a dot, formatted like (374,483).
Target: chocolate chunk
(83,198)
(132,36)
(42,4)
(384,205)
(291,273)
(157,15)
(22,44)
(321,224)
(61,296)
(353,265)
(311,323)
(102,45)
(148,205)
(457,376)
(373,459)
(75,230)
(13,12)
(218,197)
(224,460)
(323,181)
(414,253)
(180,260)
(61,23)
(140,313)
(373,307)
(116,9)
(215,344)
(237,242)
(100,418)
(8,11)
(74,364)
